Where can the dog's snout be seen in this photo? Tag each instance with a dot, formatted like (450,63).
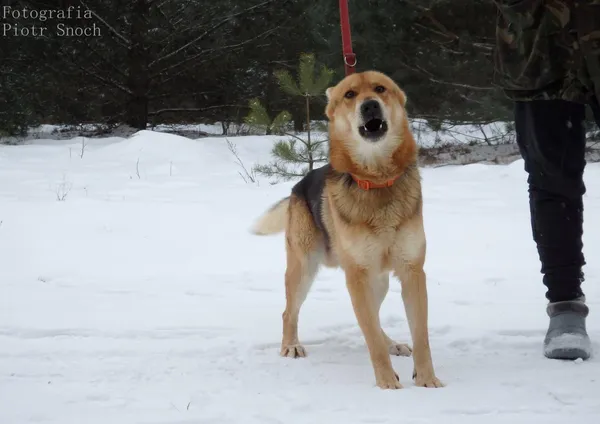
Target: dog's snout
(371,109)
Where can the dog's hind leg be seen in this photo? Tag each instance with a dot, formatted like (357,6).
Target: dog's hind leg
(380,289)
(304,254)
(299,276)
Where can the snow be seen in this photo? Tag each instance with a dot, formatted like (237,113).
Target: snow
(447,133)
(145,299)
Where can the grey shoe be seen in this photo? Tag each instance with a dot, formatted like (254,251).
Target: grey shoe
(567,337)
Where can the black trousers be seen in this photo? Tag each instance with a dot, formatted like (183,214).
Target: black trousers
(551,139)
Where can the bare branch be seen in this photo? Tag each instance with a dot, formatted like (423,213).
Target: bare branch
(484,46)
(201,109)
(106,81)
(442,30)
(220,49)
(110,28)
(432,78)
(452,38)
(209,31)
(487,140)
(186,93)
(105,60)
(295,136)
(162,3)
(249,176)
(82,147)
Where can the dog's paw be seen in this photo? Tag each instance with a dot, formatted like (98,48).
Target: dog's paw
(387,381)
(400,349)
(428,380)
(293,351)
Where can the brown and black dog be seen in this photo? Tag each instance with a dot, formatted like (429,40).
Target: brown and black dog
(361,212)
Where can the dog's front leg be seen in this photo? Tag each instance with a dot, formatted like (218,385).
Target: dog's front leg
(361,293)
(414,295)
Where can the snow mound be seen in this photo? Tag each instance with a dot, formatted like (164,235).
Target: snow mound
(131,291)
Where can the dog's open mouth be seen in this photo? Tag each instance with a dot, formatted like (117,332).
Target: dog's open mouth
(373,128)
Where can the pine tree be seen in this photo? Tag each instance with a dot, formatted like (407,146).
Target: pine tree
(296,150)
(259,118)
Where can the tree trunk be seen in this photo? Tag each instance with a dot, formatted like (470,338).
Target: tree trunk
(298,115)
(225,127)
(270,92)
(137,113)
(138,74)
(310,147)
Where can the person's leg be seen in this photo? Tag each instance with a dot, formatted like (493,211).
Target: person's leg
(551,138)
(595,105)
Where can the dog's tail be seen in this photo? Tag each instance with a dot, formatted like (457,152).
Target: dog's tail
(274,220)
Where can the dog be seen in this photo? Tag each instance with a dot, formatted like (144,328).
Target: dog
(361,212)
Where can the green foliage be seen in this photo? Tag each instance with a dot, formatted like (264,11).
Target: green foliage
(287,83)
(310,82)
(15,121)
(16,114)
(259,118)
(281,120)
(293,158)
(290,154)
(280,170)
(202,61)
(258,115)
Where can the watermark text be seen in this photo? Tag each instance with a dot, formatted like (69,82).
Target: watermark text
(74,21)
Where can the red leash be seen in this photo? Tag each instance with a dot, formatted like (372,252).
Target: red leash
(349,56)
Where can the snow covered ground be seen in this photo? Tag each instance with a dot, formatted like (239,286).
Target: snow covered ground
(132,292)
(447,133)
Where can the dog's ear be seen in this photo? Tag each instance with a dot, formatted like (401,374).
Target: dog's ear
(402,97)
(330,103)
(328,93)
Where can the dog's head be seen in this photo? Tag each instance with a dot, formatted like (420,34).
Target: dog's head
(367,119)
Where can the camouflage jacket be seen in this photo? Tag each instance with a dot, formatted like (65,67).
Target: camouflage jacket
(548,49)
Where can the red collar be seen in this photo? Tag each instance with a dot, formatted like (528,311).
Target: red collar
(367,185)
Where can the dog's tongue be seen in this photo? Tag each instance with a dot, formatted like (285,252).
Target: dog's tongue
(373,125)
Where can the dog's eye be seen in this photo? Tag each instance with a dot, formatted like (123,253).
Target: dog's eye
(379,89)
(349,94)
